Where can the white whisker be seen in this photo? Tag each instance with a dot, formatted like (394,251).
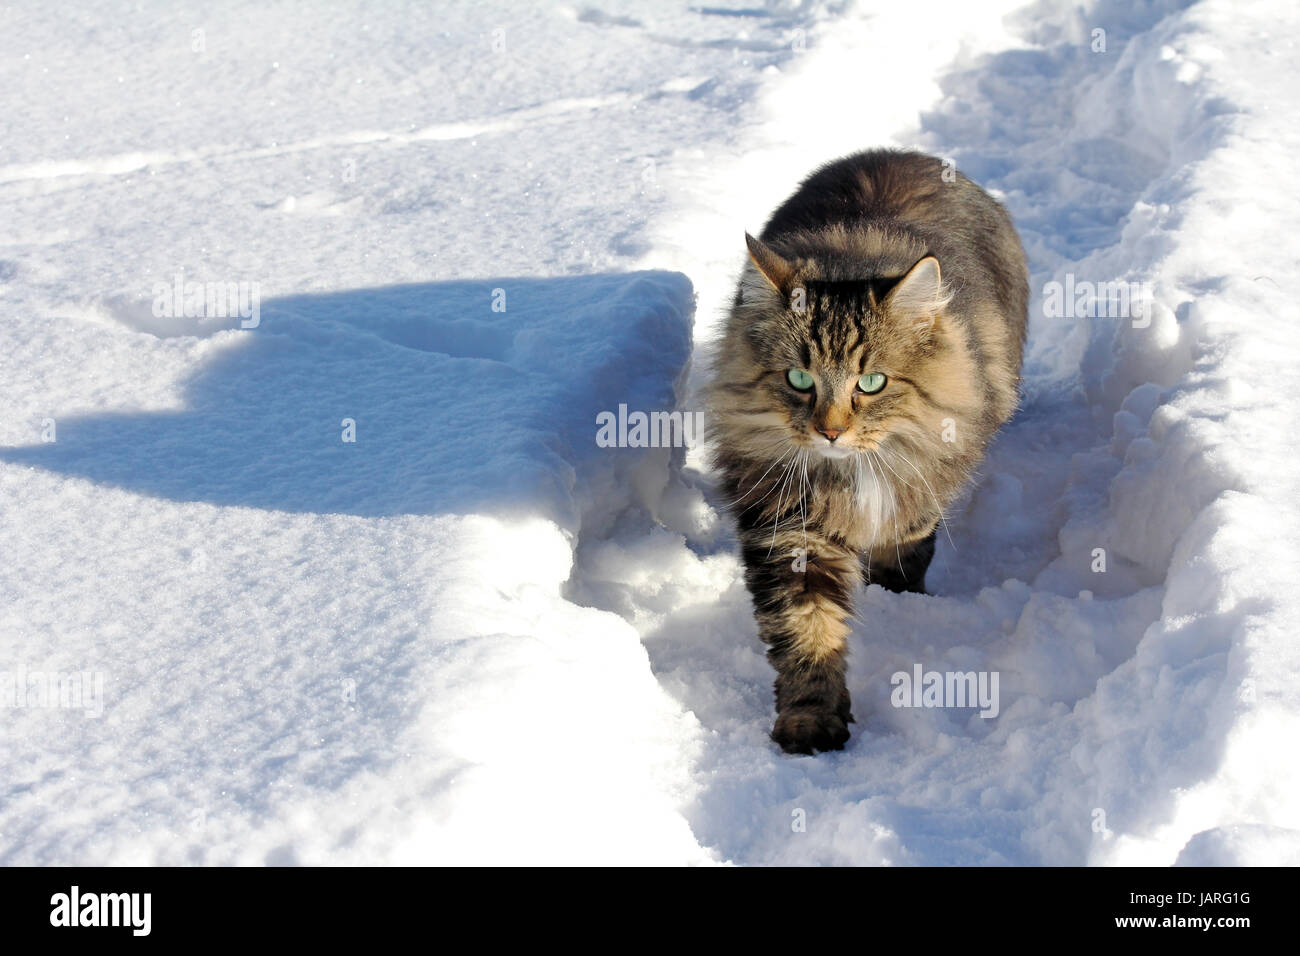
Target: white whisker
(754,487)
(803,515)
(933,496)
(780,504)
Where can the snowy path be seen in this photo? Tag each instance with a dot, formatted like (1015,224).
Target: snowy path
(463,637)
(1142,705)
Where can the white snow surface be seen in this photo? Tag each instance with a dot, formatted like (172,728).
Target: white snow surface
(473,635)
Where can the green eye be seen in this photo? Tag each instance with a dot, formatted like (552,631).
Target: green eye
(872,382)
(799,379)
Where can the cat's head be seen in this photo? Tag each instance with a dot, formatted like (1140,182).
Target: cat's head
(837,366)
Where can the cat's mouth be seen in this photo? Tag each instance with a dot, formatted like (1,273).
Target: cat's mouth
(839,449)
(835,449)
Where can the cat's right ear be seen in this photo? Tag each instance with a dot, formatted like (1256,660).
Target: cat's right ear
(919,297)
(775,269)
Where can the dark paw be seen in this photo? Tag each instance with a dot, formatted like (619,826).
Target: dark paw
(806,731)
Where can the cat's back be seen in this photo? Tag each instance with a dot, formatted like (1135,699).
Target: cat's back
(878,184)
(895,206)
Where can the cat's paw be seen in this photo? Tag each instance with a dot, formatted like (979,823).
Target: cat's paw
(805,730)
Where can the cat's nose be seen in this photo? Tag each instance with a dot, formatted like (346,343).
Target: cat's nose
(831,433)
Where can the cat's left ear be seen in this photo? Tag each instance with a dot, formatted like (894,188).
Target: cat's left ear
(919,296)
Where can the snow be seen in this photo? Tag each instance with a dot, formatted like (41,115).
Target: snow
(473,634)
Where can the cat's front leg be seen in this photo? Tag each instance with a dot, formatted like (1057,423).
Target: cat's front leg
(801,588)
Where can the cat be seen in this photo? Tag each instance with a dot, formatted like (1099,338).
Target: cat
(873,349)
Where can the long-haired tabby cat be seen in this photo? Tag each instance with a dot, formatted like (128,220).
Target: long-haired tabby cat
(872,351)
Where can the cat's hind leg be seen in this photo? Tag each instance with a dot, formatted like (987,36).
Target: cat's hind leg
(901,568)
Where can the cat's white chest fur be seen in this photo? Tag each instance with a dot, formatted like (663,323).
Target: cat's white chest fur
(875,496)
(872,511)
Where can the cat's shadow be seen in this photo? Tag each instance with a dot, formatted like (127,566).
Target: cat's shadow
(454,406)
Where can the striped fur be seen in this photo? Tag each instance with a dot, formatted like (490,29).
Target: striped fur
(881,262)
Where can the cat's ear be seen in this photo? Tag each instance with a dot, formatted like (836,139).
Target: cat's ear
(775,269)
(919,296)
